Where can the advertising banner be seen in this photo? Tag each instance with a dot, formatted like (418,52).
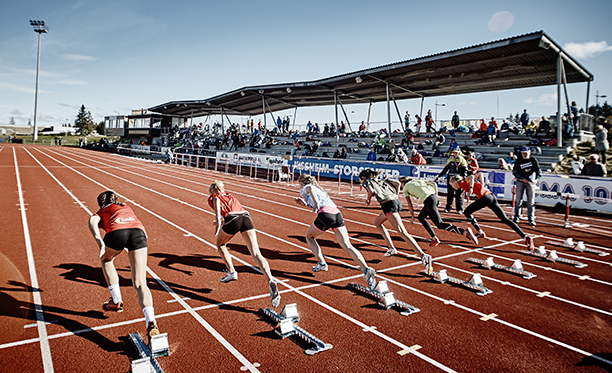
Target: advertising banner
(258,158)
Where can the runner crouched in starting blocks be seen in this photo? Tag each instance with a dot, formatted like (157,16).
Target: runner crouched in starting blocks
(484,198)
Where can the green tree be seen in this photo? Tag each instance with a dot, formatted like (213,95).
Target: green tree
(604,110)
(84,122)
(100,128)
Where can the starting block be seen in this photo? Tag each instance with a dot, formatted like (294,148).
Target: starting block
(516,268)
(287,328)
(385,297)
(474,283)
(552,256)
(579,246)
(147,363)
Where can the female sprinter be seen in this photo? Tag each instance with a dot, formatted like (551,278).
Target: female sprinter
(230,219)
(329,217)
(427,192)
(122,229)
(485,199)
(385,192)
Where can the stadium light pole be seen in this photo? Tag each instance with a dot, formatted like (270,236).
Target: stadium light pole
(597,96)
(40,28)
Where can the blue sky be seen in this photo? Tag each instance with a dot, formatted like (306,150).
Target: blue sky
(115,56)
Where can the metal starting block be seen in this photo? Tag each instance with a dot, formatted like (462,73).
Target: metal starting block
(287,328)
(516,268)
(552,256)
(385,298)
(579,246)
(147,363)
(474,283)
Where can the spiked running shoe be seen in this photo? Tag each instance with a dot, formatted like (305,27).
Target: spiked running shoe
(114,307)
(231,276)
(470,235)
(434,242)
(370,276)
(320,267)
(426,259)
(274,294)
(152,330)
(391,252)
(481,234)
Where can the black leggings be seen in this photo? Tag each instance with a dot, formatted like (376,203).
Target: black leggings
(430,210)
(490,201)
(454,194)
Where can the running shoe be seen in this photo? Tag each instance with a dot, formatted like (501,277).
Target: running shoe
(426,259)
(109,305)
(231,276)
(370,276)
(320,267)
(470,235)
(532,223)
(152,330)
(274,294)
(390,252)
(515,219)
(530,243)
(434,242)
(460,212)
(446,210)
(481,234)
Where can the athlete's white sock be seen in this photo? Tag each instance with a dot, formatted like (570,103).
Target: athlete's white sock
(115,291)
(149,314)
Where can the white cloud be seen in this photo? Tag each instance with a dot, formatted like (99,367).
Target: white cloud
(15,87)
(78,57)
(473,103)
(528,100)
(501,21)
(588,49)
(546,99)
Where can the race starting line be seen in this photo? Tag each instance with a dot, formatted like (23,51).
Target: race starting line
(158,347)
(516,268)
(474,283)
(552,256)
(579,246)
(287,328)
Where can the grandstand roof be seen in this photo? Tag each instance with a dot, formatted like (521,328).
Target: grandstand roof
(523,61)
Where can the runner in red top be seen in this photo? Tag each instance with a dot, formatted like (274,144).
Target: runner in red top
(484,198)
(122,229)
(232,218)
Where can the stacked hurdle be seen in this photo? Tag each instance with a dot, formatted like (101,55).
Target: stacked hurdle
(540,252)
(474,283)
(287,328)
(158,347)
(579,246)
(516,268)
(385,298)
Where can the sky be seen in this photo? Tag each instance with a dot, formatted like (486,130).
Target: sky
(115,56)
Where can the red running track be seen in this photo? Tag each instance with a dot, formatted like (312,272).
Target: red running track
(52,286)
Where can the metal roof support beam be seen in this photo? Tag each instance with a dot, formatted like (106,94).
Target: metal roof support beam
(396,86)
(336,124)
(222,126)
(587,97)
(388,112)
(545,43)
(559,119)
(263,103)
(271,114)
(567,102)
(345,116)
(421,111)
(397,109)
(369,114)
(228,120)
(294,116)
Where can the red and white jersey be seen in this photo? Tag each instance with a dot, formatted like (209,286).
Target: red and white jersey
(118,216)
(229,204)
(478,189)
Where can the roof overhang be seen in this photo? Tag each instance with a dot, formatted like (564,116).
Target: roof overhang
(519,62)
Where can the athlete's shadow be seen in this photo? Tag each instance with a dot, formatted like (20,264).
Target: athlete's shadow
(86,274)
(591,361)
(196,260)
(11,307)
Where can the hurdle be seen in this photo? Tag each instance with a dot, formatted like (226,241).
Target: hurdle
(474,283)
(157,348)
(340,181)
(552,256)
(579,246)
(516,268)
(287,328)
(385,298)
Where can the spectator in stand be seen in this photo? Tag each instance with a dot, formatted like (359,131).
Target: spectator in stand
(574,111)
(502,165)
(429,123)
(482,130)
(527,172)
(491,132)
(531,128)
(392,157)
(417,158)
(510,159)
(407,121)
(417,126)
(474,169)
(544,127)
(437,142)
(578,164)
(371,154)
(455,121)
(309,127)
(453,146)
(362,128)
(524,119)
(326,130)
(456,165)
(315,128)
(401,156)
(594,168)
(601,142)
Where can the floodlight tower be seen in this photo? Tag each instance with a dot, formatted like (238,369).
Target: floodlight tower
(40,28)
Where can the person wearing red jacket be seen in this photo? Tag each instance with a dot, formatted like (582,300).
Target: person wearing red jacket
(417,158)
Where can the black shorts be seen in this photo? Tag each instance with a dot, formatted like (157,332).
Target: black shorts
(235,223)
(131,239)
(390,207)
(327,221)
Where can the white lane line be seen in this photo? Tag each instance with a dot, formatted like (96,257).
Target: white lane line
(40,316)
(207,326)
